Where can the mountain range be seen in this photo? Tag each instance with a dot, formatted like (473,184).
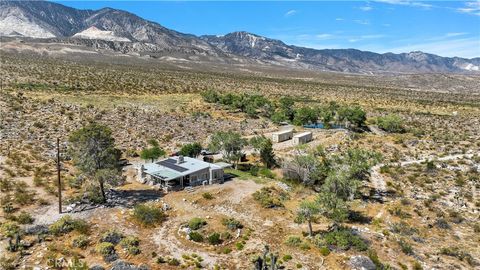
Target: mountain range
(125,32)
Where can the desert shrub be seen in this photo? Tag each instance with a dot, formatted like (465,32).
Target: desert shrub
(293,241)
(405,247)
(226,236)
(195,236)
(403,228)
(112,236)
(80,241)
(287,257)
(239,245)
(196,223)
(105,248)
(148,215)
(342,238)
(324,251)
(131,245)
(476,227)
(391,123)
(24,218)
(458,253)
(173,262)
(441,223)
(270,197)
(232,223)
(6,185)
(7,263)
(417,266)
(9,229)
(214,239)
(207,195)
(67,224)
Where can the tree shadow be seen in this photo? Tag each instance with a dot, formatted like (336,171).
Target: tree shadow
(358,217)
(130,198)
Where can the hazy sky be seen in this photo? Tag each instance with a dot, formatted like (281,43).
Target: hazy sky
(447,28)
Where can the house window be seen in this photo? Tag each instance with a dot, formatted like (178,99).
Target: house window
(194,178)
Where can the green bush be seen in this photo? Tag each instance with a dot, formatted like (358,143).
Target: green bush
(130,244)
(293,241)
(270,197)
(287,257)
(196,223)
(148,215)
(266,173)
(173,262)
(391,123)
(24,218)
(324,251)
(239,245)
(214,239)
(232,223)
(80,241)
(342,238)
(207,196)
(196,236)
(9,229)
(405,247)
(105,248)
(67,224)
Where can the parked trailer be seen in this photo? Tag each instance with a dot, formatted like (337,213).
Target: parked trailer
(302,138)
(282,136)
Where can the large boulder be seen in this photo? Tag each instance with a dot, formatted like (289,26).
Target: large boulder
(361,263)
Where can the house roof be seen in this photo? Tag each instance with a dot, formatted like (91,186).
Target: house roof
(168,169)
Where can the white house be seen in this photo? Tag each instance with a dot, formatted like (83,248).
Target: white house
(176,173)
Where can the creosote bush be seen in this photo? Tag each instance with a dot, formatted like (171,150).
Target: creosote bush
(105,248)
(196,223)
(67,224)
(148,215)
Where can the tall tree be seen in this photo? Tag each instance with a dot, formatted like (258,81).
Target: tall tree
(153,152)
(93,151)
(191,149)
(264,146)
(229,143)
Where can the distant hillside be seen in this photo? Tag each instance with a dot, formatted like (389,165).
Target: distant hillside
(125,32)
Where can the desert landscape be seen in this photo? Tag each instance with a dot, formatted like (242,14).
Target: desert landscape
(319,169)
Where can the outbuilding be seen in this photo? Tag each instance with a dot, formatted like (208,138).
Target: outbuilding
(282,135)
(302,138)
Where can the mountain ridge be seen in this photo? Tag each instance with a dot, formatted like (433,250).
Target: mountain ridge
(48,20)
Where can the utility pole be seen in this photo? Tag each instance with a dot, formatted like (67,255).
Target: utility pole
(58,177)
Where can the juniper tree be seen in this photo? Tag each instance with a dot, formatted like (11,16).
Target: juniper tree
(93,152)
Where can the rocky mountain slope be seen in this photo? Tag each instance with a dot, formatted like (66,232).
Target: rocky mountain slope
(125,32)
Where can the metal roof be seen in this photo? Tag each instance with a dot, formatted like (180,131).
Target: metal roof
(168,169)
(302,134)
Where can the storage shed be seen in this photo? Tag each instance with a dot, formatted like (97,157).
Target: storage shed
(302,138)
(282,135)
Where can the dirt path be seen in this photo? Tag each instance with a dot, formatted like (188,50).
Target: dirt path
(379,183)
